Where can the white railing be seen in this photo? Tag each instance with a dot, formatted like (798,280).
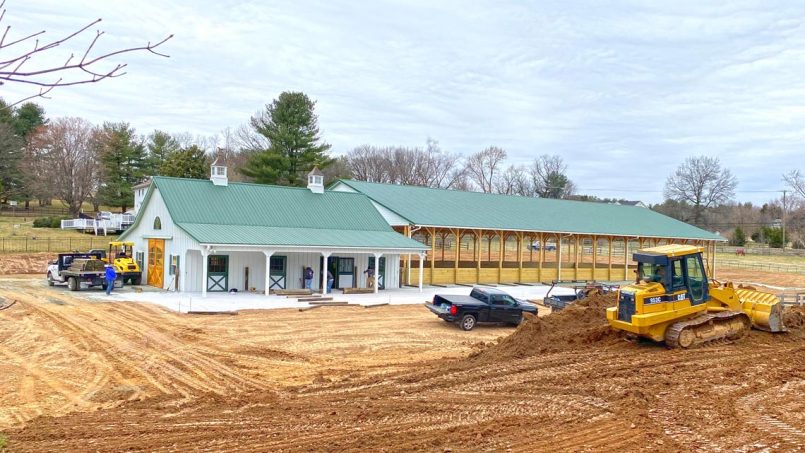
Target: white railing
(117,222)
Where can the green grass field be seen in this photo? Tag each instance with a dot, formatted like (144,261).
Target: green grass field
(763,259)
(11,227)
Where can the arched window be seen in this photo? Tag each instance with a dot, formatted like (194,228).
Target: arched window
(157,223)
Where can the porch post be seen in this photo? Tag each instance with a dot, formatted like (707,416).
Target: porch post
(268,269)
(377,271)
(204,253)
(421,269)
(326,256)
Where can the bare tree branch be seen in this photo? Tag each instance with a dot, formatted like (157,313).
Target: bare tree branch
(795,179)
(84,67)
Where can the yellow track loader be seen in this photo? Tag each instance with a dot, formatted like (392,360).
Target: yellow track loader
(674,301)
(121,256)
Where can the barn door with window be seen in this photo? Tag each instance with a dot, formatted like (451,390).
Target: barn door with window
(380,273)
(346,272)
(156,262)
(218,273)
(277,272)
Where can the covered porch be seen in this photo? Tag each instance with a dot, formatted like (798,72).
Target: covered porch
(220,268)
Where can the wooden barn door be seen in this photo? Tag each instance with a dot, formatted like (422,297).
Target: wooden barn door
(156,262)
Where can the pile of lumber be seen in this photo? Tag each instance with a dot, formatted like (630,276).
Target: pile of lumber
(291,292)
(358,290)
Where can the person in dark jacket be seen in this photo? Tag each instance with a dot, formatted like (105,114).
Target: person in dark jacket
(330,281)
(111,275)
(308,277)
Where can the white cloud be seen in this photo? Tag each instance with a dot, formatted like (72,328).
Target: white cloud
(623,91)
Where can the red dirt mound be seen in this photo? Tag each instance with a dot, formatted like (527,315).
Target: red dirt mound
(794,317)
(583,322)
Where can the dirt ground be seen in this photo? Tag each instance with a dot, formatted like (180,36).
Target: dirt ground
(25,263)
(84,375)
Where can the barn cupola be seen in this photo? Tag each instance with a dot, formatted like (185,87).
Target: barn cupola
(315,180)
(218,174)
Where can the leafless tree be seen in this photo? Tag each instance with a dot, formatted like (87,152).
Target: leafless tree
(428,167)
(483,167)
(368,163)
(67,149)
(549,177)
(19,57)
(701,182)
(796,180)
(514,181)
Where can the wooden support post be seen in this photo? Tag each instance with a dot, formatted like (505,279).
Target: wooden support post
(520,257)
(478,256)
(577,254)
(501,252)
(626,258)
(558,257)
(609,272)
(432,253)
(541,255)
(457,236)
(595,255)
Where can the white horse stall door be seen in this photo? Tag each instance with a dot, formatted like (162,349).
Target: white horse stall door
(346,272)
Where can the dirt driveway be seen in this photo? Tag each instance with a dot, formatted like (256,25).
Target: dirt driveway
(111,377)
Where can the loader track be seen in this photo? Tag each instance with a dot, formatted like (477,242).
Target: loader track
(707,328)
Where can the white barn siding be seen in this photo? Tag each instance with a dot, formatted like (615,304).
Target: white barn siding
(295,264)
(176,240)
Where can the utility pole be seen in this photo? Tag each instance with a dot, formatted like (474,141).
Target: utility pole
(784,209)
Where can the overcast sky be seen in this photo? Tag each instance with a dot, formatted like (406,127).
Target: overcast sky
(623,91)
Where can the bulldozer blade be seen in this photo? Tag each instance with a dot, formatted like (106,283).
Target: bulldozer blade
(765,310)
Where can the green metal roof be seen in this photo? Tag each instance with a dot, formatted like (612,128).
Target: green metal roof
(256,214)
(453,208)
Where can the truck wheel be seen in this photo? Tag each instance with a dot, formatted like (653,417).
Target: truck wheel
(50,279)
(467,322)
(517,322)
(73,284)
(136,280)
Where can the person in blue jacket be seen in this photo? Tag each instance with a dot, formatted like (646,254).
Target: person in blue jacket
(111,275)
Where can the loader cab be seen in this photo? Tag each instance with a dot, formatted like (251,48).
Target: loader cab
(675,271)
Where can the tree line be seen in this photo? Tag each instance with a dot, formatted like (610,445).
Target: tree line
(72,160)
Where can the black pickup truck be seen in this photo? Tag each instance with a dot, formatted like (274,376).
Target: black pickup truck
(482,305)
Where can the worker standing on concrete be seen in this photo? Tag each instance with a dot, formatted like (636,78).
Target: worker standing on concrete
(111,275)
(308,277)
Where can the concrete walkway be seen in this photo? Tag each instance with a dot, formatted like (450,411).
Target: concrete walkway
(225,302)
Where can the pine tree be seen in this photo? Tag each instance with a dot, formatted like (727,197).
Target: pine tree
(190,162)
(291,129)
(160,146)
(11,151)
(123,158)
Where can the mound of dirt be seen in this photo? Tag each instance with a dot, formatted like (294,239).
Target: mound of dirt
(25,263)
(794,317)
(583,322)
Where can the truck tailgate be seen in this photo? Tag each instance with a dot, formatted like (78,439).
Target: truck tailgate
(439,309)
